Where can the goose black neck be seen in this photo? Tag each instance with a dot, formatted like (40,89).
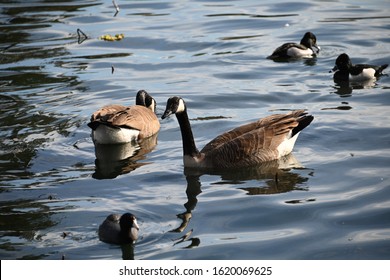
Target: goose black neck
(189,147)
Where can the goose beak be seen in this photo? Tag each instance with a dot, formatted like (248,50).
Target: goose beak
(166,114)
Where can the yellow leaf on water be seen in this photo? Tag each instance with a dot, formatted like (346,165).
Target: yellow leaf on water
(108,37)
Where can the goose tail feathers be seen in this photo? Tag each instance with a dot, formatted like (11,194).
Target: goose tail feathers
(303,121)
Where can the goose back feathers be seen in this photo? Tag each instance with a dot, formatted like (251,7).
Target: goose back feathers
(264,140)
(114,124)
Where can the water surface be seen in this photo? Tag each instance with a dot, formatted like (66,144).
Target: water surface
(334,204)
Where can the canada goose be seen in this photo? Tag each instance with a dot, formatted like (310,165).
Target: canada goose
(346,71)
(264,140)
(114,124)
(118,229)
(294,50)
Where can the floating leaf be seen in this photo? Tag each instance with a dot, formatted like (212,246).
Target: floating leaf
(116,37)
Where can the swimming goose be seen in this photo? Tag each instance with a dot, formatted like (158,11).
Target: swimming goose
(118,229)
(346,71)
(264,140)
(294,50)
(115,124)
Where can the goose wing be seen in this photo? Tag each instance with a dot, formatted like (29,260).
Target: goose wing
(107,110)
(101,115)
(255,142)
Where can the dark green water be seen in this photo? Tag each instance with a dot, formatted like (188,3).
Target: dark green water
(54,193)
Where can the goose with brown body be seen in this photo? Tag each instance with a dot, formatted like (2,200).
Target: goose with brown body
(264,140)
(115,124)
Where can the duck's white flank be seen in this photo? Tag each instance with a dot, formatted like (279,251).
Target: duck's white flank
(366,74)
(104,134)
(297,52)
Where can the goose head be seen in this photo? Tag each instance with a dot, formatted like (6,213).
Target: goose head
(175,105)
(144,99)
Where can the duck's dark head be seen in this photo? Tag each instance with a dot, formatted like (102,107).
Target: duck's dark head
(129,227)
(309,40)
(343,63)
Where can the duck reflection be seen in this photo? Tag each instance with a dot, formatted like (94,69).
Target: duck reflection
(308,61)
(276,177)
(345,88)
(117,159)
(127,251)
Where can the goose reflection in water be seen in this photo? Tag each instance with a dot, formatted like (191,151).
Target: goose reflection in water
(117,159)
(192,191)
(277,177)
